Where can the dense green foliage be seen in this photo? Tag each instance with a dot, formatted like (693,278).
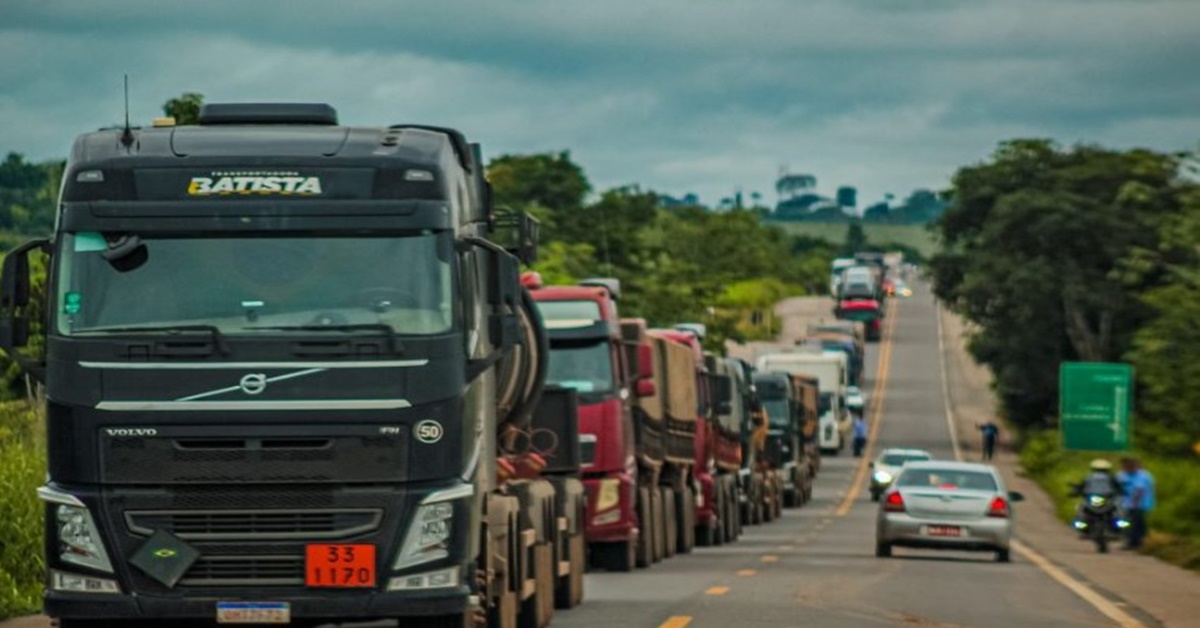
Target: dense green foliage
(28,192)
(1062,255)
(22,469)
(675,264)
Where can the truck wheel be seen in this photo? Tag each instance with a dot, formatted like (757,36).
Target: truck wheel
(569,592)
(645,542)
(789,498)
(735,500)
(619,557)
(671,518)
(719,512)
(538,609)
(883,550)
(658,526)
(685,508)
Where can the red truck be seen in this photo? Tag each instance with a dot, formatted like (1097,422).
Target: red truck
(716,455)
(587,354)
(869,312)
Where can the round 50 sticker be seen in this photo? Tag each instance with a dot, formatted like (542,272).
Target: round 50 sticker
(428,431)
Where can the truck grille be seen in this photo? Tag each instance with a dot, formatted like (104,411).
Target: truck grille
(251,525)
(245,570)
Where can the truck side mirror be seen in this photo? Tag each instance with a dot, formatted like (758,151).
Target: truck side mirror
(645,388)
(15,290)
(503,294)
(645,361)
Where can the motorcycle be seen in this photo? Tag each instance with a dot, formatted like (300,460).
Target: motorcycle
(1098,518)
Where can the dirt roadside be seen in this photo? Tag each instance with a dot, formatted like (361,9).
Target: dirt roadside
(1154,591)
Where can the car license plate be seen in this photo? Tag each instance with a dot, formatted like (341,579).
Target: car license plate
(339,566)
(254,613)
(943,531)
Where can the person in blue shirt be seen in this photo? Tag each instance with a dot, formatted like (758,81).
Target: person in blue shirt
(990,432)
(1138,500)
(860,436)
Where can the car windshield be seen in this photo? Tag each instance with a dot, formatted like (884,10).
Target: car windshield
(947,479)
(896,460)
(583,366)
(237,284)
(777,412)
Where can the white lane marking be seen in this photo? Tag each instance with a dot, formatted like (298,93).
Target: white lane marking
(1099,602)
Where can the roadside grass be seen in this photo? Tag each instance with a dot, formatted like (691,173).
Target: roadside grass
(22,470)
(915,236)
(1174,522)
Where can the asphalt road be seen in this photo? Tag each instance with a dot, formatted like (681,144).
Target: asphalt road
(815,568)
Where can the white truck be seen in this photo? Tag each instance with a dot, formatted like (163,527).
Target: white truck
(829,367)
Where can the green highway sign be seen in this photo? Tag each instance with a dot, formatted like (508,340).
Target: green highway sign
(1095,400)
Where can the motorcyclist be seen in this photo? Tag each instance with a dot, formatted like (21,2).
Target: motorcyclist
(1100,481)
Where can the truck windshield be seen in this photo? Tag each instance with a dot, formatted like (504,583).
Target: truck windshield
(239,283)
(777,412)
(586,367)
(825,404)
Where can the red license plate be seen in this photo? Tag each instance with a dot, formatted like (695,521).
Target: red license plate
(339,566)
(944,531)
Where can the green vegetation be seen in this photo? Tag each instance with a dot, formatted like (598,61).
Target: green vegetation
(22,469)
(676,264)
(1084,254)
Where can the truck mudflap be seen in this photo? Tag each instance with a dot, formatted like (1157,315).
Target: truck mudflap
(301,604)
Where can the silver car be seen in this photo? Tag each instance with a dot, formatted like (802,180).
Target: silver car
(946,505)
(887,466)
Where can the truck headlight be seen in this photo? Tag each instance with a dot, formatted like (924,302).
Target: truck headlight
(608,494)
(78,538)
(429,532)
(883,477)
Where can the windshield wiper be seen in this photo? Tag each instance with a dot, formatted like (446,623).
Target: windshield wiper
(388,331)
(218,337)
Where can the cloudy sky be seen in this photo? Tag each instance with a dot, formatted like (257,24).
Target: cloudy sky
(677,95)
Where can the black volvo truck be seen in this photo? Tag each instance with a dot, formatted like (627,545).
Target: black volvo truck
(288,374)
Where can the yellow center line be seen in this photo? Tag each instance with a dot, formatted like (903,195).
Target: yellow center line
(678,621)
(770,559)
(746,572)
(717,590)
(877,396)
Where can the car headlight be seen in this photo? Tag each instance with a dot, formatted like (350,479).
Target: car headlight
(78,538)
(429,533)
(1096,500)
(883,477)
(608,494)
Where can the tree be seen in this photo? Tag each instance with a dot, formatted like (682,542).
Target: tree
(856,239)
(1038,250)
(185,108)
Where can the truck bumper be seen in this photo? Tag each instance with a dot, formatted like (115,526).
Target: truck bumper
(352,605)
(617,523)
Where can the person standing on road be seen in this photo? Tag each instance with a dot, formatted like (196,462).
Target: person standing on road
(1139,499)
(991,431)
(860,435)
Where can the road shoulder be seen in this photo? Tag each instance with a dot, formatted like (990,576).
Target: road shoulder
(1152,591)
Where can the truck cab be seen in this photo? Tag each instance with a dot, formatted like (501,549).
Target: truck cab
(587,354)
(834,424)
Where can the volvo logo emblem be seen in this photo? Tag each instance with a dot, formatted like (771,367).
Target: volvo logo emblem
(428,431)
(253,383)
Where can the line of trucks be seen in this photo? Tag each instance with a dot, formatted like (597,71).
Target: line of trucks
(295,375)
(858,287)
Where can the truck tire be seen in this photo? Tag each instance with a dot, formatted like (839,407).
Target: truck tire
(718,526)
(658,525)
(462,620)
(569,591)
(671,518)
(736,509)
(685,506)
(617,557)
(646,550)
